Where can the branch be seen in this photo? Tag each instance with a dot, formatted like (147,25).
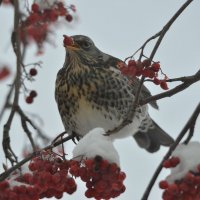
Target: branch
(191,122)
(17,84)
(5,174)
(160,36)
(7,100)
(187,81)
(24,120)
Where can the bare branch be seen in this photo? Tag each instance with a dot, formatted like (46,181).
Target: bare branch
(160,36)
(27,119)
(17,84)
(7,100)
(184,131)
(187,81)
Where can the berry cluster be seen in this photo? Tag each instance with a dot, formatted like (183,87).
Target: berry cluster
(36,26)
(145,68)
(4,72)
(48,177)
(19,191)
(49,172)
(187,188)
(31,96)
(171,162)
(104,180)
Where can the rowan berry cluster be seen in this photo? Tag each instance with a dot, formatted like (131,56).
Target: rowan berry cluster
(19,191)
(145,68)
(104,180)
(31,96)
(36,27)
(171,162)
(186,188)
(48,177)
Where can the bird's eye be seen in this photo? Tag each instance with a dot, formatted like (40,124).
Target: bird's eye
(85,45)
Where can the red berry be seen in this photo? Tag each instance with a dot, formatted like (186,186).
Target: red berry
(100,186)
(145,72)
(163,185)
(69,17)
(173,188)
(74,170)
(33,94)
(121,176)
(131,71)
(35,7)
(33,18)
(131,63)
(174,161)
(4,72)
(29,100)
(90,193)
(167,164)
(68,41)
(89,163)
(156,81)
(184,187)
(155,67)
(53,16)
(146,63)
(103,165)
(33,72)
(163,85)
(113,168)
(139,64)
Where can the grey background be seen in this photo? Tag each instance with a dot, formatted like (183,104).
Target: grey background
(118,28)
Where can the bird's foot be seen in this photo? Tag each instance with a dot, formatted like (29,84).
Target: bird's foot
(75,137)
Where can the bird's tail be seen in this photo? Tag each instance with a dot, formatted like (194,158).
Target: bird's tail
(150,136)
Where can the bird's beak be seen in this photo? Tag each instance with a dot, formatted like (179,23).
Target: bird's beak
(69,43)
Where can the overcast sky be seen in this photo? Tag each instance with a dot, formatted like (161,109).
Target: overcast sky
(117,28)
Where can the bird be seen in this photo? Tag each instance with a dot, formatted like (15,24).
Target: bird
(91,91)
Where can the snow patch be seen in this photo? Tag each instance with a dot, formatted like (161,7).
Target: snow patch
(95,143)
(45,4)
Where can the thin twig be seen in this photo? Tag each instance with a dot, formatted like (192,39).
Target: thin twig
(7,100)
(188,81)
(28,132)
(27,119)
(187,127)
(160,38)
(17,84)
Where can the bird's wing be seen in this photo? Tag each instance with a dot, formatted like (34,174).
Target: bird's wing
(113,62)
(111,92)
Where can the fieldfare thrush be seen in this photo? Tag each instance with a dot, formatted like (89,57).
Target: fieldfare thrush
(92,92)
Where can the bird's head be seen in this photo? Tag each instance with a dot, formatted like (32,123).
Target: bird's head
(84,49)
